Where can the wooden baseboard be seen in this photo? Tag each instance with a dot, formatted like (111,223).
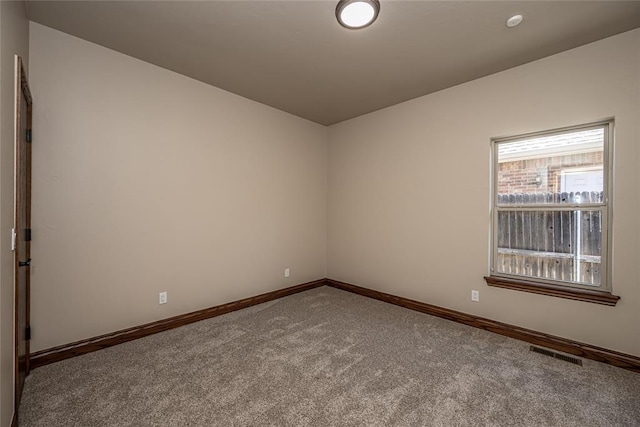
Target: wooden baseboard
(55,354)
(587,351)
(66,351)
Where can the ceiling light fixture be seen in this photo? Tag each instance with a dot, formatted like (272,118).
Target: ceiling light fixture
(514,21)
(355,14)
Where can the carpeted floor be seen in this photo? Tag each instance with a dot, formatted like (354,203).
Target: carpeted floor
(327,357)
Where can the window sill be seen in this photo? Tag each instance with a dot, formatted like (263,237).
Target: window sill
(586,295)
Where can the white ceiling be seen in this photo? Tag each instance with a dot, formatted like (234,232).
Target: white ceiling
(294,56)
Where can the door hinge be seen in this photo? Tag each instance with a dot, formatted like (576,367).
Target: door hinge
(27,234)
(28,135)
(27,333)
(26,263)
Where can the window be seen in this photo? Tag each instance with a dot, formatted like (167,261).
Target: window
(551,213)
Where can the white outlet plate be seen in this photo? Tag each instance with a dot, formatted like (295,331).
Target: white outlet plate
(286,272)
(475,296)
(163,298)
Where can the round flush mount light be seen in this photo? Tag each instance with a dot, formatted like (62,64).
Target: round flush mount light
(514,21)
(356,14)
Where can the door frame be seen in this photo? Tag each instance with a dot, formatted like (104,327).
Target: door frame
(23,94)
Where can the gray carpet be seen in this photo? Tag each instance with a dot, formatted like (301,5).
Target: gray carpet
(327,357)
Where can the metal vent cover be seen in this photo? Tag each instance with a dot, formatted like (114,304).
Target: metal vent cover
(555,355)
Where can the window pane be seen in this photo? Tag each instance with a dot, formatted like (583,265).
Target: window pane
(560,168)
(551,244)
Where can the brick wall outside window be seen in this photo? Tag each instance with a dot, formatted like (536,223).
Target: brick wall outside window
(531,175)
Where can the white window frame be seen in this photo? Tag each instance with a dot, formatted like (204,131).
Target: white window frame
(605,208)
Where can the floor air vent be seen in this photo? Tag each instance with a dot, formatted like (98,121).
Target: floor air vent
(550,353)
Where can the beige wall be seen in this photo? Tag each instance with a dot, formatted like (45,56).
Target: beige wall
(14,39)
(147,181)
(403,219)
